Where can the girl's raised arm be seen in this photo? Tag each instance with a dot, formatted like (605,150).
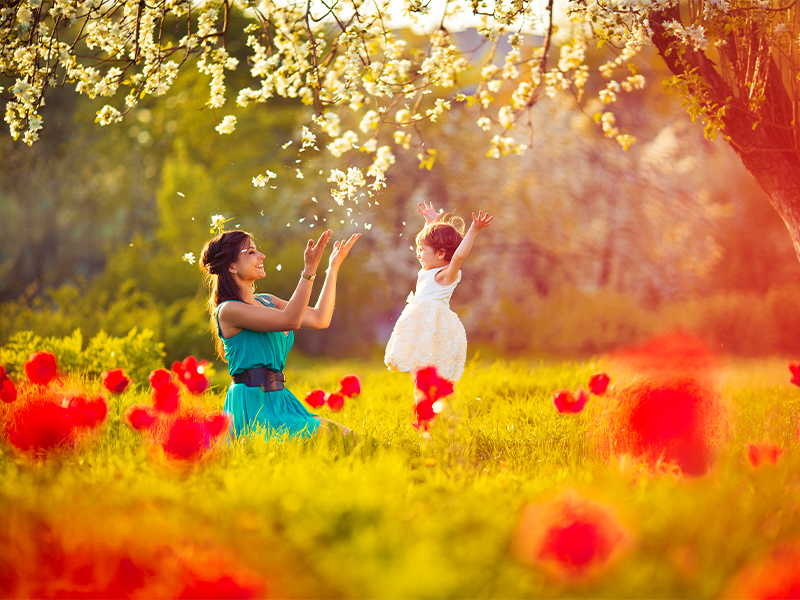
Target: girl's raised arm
(427,211)
(450,273)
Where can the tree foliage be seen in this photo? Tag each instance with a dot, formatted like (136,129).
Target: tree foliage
(735,63)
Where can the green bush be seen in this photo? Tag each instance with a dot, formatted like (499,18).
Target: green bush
(138,354)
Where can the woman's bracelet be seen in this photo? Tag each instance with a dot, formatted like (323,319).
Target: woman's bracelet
(309,277)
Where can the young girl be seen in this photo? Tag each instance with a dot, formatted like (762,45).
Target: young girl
(254,332)
(428,332)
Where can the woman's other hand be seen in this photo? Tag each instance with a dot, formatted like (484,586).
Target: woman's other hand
(340,251)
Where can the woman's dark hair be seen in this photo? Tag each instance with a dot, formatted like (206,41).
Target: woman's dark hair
(215,260)
(443,235)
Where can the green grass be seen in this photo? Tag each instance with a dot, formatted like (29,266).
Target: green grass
(402,516)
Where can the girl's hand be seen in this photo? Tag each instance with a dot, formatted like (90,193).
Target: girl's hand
(340,250)
(427,211)
(481,221)
(313,253)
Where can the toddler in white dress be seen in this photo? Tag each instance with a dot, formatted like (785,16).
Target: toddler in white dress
(428,332)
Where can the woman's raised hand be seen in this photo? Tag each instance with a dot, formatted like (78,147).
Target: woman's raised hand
(313,252)
(426,210)
(340,250)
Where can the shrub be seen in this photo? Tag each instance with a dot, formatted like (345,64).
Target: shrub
(137,353)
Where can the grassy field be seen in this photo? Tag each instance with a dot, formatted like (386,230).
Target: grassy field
(401,515)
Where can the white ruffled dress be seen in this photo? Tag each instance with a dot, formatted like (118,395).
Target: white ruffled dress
(428,332)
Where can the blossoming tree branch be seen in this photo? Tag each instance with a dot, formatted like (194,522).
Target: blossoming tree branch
(735,62)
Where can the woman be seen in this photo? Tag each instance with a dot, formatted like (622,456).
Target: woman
(254,332)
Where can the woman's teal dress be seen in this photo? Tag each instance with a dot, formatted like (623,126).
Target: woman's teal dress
(274,413)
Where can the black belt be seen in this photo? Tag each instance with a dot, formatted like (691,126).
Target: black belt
(267,379)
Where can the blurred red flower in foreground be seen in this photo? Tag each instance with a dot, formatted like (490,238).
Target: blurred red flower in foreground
(765,453)
(217,423)
(8,391)
(428,402)
(672,418)
(40,425)
(316,398)
(598,383)
(166,393)
(668,422)
(567,402)
(777,576)
(335,401)
(141,416)
(186,438)
(794,367)
(349,386)
(569,535)
(87,412)
(42,561)
(192,374)
(41,368)
(160,378)
(191,434)
(428,381)
(115,381)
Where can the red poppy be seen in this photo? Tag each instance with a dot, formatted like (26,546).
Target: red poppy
(187,438)
(225,586)
(794,367)
(349,386)
(39,426)
(763,454)
(160,378)
(598,383)
(41,368)
(567,402)
(673,422)
(8,391)
(141,416)
(192,374)
(569,535)
(166,397)
(87,412)
(425,411)
(115,381)
(217,424)
(428,381)
(316,398)
(335,401)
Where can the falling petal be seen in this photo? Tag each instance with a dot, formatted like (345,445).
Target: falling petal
(181,195)
(278,267)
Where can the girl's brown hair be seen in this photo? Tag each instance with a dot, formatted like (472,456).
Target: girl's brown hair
(215,260)
(443,235)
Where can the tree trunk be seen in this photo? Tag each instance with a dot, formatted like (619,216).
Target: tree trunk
(764,138)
